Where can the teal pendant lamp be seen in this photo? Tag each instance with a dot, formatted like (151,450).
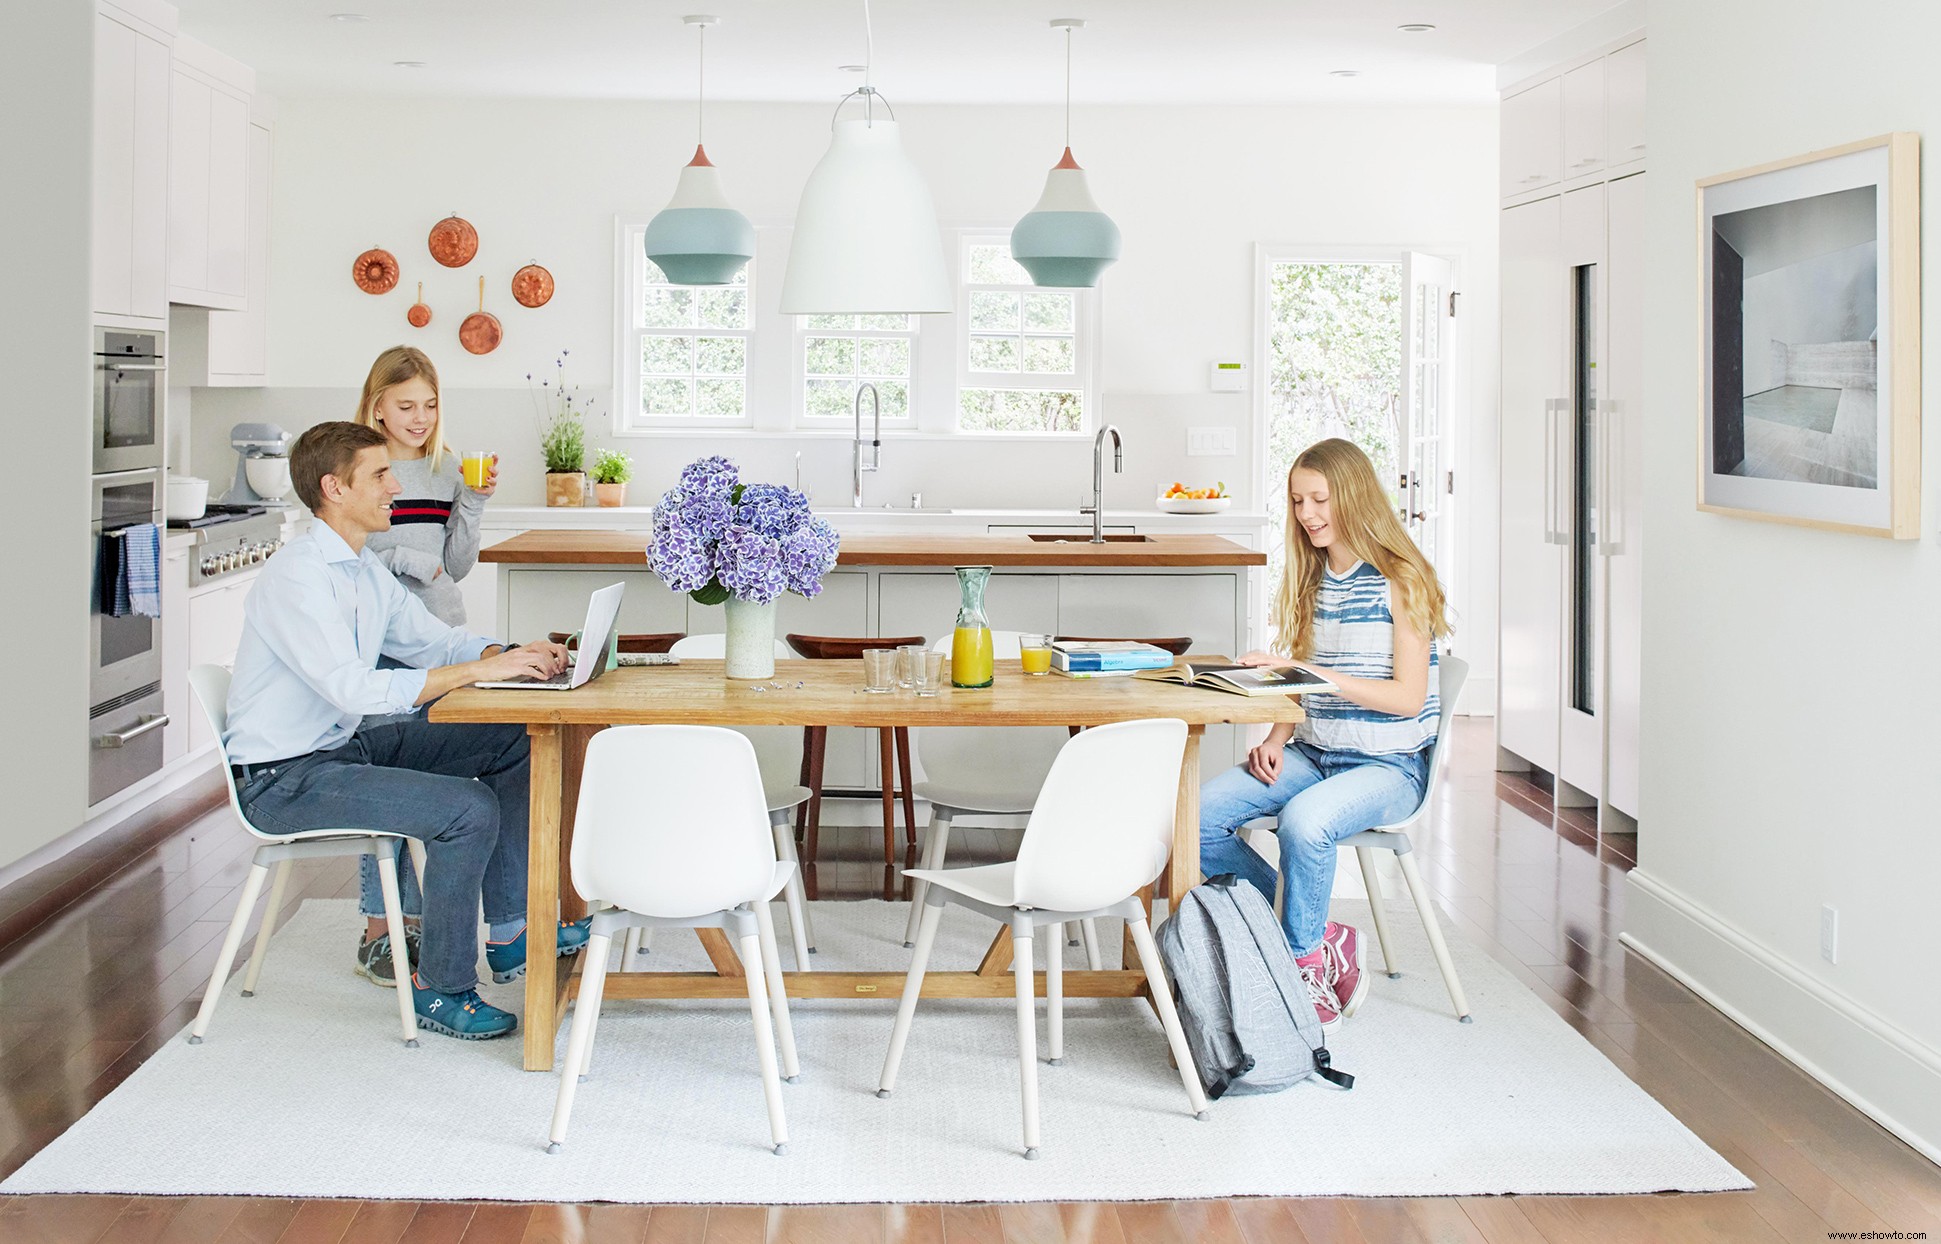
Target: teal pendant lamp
(698,239)
(1065,242)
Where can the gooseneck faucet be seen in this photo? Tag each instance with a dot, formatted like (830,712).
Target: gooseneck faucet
(1097,508)
(856,463)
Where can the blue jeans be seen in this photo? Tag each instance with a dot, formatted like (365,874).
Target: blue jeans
(460,788)
(370,898)
(1320,798)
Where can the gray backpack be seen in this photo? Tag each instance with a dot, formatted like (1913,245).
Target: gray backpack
(1240,995)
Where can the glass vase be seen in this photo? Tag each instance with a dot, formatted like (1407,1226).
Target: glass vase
(971,663)
(750,640)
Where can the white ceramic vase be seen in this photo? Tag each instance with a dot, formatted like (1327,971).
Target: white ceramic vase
(750,639)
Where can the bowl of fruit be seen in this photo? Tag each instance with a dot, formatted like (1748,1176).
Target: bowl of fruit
(1179,499)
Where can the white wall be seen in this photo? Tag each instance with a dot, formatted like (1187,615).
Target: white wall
(1194,189)
(47,102)
(1767,794)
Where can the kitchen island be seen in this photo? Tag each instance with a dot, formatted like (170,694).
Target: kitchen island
(1136,585)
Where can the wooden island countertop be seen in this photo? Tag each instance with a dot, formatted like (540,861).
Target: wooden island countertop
(617,548)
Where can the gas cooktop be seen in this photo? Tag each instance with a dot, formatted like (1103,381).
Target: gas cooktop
(218,513)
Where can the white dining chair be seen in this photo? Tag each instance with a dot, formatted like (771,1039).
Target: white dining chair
(1394,837)
(1102,830)
(778,753)
(211,686)
(670,833)
(982,771)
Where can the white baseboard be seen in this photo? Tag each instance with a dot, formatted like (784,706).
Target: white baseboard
(112,812)
(1886,1072)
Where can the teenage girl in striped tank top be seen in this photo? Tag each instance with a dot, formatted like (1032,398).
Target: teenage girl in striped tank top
(1360,606)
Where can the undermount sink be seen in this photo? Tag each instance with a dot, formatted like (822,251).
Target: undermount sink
(1068,537)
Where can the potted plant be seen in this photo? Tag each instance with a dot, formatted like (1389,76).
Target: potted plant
(740,545)
(611,471)
(562,435)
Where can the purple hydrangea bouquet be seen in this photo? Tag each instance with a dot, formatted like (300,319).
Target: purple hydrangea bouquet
(718,539)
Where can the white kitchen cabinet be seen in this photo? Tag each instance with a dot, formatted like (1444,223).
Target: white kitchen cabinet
(130,199)
(1585,131)
(1577,485)
(543,600)
(176,699)
(1624,72)
(208,182)
(924,602)
(1532,148)
(1623,519)
(218,349)
(215,630)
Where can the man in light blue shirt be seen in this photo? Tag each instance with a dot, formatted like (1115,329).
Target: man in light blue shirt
(314,624)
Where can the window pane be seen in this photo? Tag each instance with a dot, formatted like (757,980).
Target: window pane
(1049,312)
(723,308)
(667,356)
(993,265)
(830,356)
(651,273)
(828,398)
(993,312)
(884,323)
(831,321)
(896,398)
(668,395)
(666,307)
(720,399)
(994,353)
(721,356)
(886,357)
(1048,354)
(1020,410)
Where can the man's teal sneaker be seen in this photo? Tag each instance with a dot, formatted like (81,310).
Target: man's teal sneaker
(463,1015)
(508,959)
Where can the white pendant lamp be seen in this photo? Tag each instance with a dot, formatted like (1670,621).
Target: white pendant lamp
(866,239)
(698,239)
(1065,242)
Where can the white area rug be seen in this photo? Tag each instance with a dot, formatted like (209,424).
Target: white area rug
(306,1091)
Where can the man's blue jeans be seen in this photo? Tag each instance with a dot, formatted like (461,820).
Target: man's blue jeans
(460,788)
(1320,798)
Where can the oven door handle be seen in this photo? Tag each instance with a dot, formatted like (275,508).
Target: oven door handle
(121,738)
(132,366)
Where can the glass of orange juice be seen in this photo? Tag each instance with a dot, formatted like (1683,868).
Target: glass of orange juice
(477,467)
(1034,653)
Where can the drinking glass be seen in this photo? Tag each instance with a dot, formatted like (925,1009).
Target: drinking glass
(930,672)
(909,659)
(1034,653)
(879,670)
(476,467)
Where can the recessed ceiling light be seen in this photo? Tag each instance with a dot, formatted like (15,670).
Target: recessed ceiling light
(1344,73)
(409,64)
(348,17)
(1417,28)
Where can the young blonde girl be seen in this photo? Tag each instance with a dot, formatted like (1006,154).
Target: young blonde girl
(1360,606)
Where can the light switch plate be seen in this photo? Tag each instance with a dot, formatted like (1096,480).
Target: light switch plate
(1211,443)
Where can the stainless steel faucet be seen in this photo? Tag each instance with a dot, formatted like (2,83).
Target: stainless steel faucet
(856,463)
(1097,508)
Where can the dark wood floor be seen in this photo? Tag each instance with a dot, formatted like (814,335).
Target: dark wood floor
(100,986)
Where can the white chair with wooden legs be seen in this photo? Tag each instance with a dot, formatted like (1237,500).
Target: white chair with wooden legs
(1101,831)
(670,834)
(982,771)
(1395,837)
(778,750)
(211,684)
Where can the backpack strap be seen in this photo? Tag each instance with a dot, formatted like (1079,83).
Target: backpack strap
(1323,1061)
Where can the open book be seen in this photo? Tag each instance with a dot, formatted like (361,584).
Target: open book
(1241,679)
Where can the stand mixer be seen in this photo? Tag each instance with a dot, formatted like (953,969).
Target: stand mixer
(262,465)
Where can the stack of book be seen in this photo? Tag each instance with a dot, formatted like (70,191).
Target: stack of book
(1106,659)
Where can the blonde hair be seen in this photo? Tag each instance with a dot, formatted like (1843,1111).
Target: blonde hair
(1366,524)
(393,368)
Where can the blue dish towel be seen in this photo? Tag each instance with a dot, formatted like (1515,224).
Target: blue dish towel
(141,570)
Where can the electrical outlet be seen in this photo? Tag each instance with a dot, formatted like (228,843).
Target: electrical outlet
(1829,934)
(1211,443)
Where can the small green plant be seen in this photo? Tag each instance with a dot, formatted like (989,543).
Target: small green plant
(560,414)
(613,467)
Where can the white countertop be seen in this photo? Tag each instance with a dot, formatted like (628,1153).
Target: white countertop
(845,518)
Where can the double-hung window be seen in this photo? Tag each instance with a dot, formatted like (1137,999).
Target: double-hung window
(684,348)
(836,353)
(1025,357)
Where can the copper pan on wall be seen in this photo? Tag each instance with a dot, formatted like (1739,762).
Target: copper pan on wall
(453,242)
(375,271)
(419,315)
(480,333)
(532,286)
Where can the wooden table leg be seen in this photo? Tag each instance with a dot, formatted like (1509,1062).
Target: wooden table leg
(886,749)
(572,761)
(997,959)
(909,788)
(721,953)
(542,895)
(1183,870)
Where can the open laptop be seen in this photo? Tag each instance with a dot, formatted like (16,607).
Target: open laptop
(602,615)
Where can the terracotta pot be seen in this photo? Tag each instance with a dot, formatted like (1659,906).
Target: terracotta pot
(566,488)
(610,494)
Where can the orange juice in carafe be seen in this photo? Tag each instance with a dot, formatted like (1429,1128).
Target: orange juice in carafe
(970,646)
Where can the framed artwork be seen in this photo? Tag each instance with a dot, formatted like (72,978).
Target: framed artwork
(1810,293)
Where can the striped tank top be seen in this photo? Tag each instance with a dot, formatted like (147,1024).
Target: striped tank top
(1354,632)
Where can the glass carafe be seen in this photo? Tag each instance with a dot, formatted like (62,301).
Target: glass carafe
(970,647)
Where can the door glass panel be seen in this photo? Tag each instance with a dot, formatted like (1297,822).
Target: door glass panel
(1584,602)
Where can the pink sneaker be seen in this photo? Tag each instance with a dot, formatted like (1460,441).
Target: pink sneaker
(1341,943)
(1314,974)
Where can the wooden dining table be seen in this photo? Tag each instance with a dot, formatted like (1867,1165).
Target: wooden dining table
(810,693)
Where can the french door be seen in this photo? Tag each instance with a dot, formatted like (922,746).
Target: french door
(1428,341)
